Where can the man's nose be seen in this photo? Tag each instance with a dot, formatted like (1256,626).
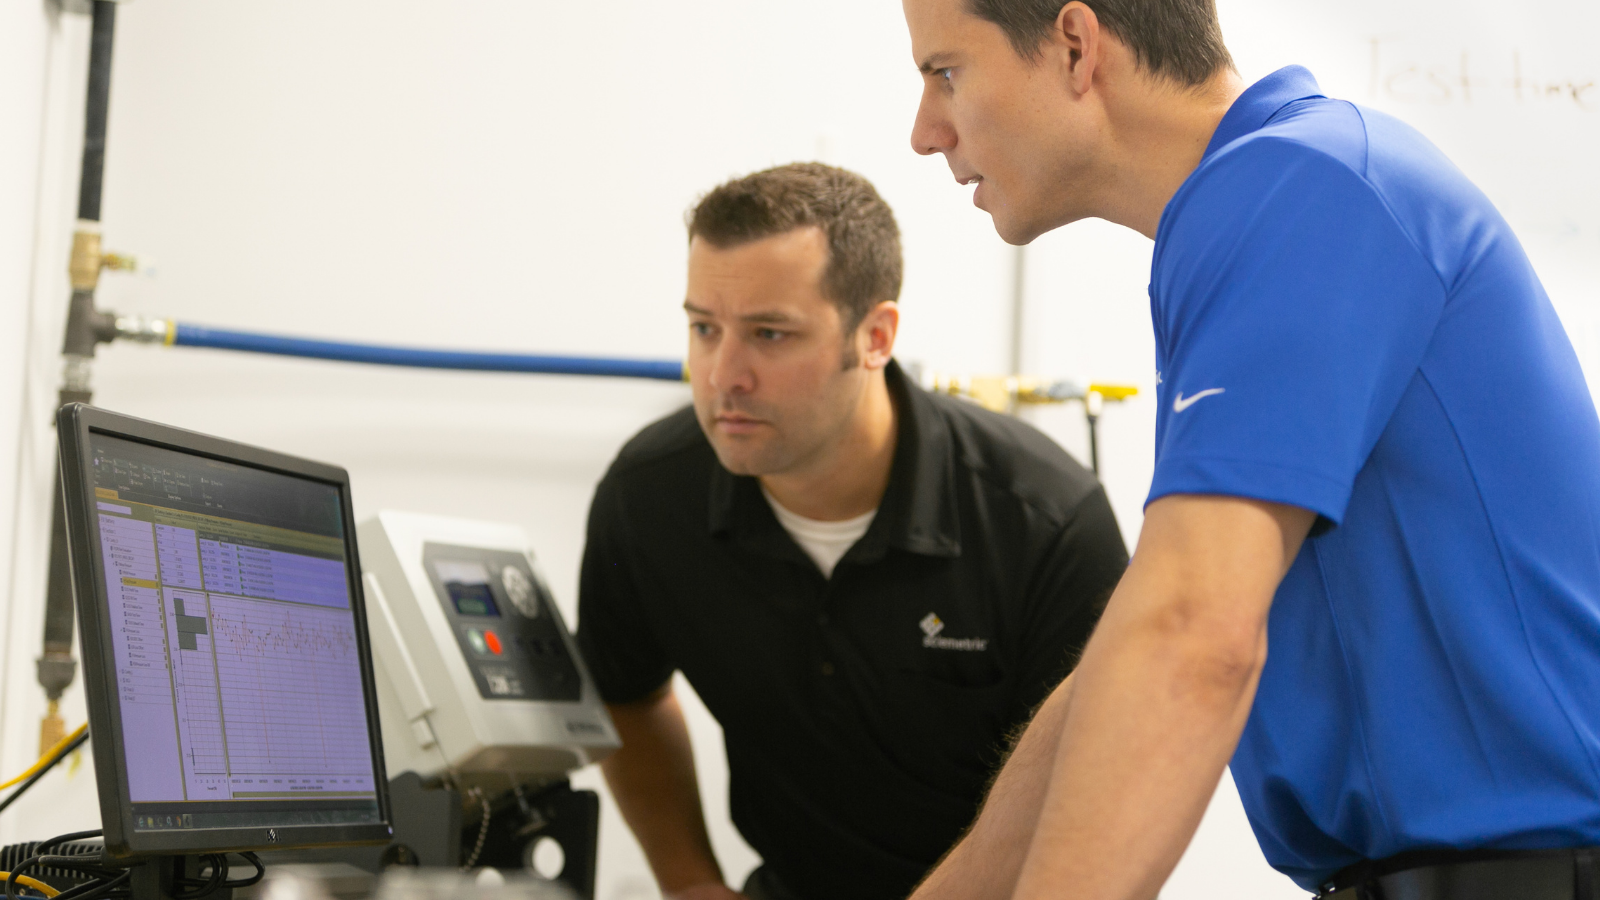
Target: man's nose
(730,370)
(931,132)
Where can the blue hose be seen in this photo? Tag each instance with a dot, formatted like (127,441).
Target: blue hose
(223,339)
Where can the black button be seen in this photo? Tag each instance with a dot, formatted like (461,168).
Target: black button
(822,619)
(827,668)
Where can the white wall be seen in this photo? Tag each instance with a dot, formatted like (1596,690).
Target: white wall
(504,174)
(43,57)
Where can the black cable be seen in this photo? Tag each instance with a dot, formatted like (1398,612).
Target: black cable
(70,862)
(34,779)
(16,872)
(108,881)
(89,865)
(218,862)
(261,872)
(65,838)
(204,887)
(96,889)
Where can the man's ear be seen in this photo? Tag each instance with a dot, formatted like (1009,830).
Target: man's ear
(1076,42)
(875,337)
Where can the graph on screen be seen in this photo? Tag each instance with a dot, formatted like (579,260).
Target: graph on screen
(239,668)
(274,668)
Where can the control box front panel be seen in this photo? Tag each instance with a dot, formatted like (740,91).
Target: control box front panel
(504,623)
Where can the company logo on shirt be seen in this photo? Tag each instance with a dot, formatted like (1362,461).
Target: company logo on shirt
(1182,403)
(932,625)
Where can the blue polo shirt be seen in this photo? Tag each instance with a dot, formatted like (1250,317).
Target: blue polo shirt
(1344,323)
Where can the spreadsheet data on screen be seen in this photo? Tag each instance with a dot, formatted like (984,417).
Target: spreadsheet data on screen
(237,664)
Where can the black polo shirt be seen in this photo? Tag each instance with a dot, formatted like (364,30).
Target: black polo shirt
(863,714)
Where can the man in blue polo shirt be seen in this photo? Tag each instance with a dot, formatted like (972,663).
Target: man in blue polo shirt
(1376,456)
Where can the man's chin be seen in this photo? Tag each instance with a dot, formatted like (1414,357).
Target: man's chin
(739,460)
(1015,231)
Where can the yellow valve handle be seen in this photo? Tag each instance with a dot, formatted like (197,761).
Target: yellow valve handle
(119,262)
(1115,392)
(30,882)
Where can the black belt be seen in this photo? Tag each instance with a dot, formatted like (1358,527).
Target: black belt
(1570,874)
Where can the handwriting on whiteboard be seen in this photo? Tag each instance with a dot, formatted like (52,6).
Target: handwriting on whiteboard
(1472,78)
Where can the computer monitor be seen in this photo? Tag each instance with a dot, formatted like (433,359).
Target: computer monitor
(226,663)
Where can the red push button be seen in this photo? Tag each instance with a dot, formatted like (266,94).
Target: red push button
(493,641)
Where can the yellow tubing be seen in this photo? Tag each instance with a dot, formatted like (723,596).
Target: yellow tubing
(34,883)
(47,758)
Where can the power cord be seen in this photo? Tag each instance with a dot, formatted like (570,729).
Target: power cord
(43,859)
(103,887)
(42,768)
(35,884)
(48,758)
(218,862)
(109,882)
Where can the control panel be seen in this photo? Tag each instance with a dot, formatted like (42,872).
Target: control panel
(478,676)
(504,623)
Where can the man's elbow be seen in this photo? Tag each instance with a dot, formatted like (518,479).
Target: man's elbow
(1216,651)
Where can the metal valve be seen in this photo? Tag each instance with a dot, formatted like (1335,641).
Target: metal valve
(1005,393)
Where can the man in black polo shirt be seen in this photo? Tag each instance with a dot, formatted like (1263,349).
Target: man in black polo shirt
(869,586)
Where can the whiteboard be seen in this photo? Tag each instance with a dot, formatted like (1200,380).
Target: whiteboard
(1510,92)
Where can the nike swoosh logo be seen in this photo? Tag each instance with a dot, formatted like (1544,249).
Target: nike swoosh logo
(1182,403)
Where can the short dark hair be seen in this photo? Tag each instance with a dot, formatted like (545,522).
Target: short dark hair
(864,263)
(1180,40)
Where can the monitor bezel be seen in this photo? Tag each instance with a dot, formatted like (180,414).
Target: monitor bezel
(74,425)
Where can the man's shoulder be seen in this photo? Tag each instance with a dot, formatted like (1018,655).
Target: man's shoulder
(1388,156)
(674,440)
(1016,460)
(1315,129)
(1315,142)
(1377,172)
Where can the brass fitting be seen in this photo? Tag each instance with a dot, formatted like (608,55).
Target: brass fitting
(86,260)
(52,729)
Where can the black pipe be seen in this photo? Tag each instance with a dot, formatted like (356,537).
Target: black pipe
(85,328)
(99,104)
(1094,445)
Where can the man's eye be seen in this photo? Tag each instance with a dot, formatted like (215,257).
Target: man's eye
(701,329)
(943,73)
(769,334)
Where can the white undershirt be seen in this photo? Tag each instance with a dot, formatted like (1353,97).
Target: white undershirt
(824,542)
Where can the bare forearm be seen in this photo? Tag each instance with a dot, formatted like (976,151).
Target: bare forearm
(1163,692)
(653,780)
(1132,788)
(989,858)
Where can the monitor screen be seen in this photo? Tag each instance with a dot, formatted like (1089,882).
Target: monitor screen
(233,633)
(467,583)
